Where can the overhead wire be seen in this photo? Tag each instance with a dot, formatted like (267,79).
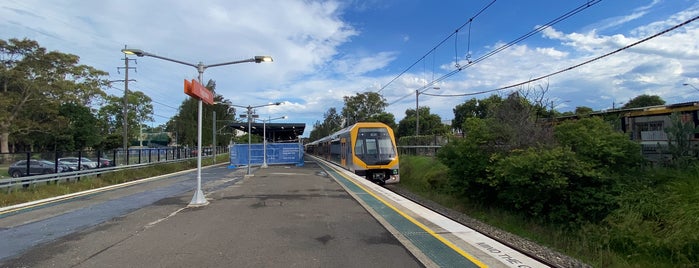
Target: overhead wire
(536,30)
(571,67)
(154,101)
(437,46)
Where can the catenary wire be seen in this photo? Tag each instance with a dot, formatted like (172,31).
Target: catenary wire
(501,48)
(571,67)
(435,47)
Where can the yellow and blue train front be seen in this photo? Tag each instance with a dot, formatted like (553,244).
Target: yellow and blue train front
(374,153)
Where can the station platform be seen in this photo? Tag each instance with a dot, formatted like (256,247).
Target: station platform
(282,216)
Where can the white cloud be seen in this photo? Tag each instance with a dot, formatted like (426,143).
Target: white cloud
(312,75)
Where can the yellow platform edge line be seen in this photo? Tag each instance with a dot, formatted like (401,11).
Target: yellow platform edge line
(413,220)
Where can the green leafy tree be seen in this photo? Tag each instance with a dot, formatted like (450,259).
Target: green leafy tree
(384,117)
(184,123)
(430,124)
(139,111)
(468,160)
(225,114)
(332,122)
(644,101)
(583,110)
(33,84)
(362,106)
(597,142)
(81,127)
(474,108)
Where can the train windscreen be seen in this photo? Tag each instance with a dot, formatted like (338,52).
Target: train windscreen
(374,146)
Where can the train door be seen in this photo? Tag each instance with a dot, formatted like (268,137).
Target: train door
(343,152)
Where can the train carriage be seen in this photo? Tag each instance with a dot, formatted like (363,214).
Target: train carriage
(368,149)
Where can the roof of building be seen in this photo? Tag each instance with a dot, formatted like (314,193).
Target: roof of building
(275,131)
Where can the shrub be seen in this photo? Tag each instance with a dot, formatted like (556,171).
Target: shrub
(468,160)
(552,183)
(596,141)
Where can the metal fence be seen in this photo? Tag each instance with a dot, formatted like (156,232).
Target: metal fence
(107,161)
(418,150)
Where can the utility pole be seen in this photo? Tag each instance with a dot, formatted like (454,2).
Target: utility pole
(126,103)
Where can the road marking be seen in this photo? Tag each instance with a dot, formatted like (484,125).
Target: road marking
(167,217)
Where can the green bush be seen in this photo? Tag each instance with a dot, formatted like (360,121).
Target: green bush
(468,160)
(554,184)
(598,143)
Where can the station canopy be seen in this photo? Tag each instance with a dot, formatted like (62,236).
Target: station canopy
(276,132)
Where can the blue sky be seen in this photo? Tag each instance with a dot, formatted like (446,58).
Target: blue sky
(324,50)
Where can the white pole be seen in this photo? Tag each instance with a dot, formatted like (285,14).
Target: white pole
(199,199)
(264,142)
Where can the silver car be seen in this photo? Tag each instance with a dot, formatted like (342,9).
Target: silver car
(83,162)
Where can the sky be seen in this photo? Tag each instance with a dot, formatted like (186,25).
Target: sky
(325,50)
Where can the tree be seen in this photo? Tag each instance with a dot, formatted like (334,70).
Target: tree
(644,101)
(81,126)
(225,114)
(184,123)
(362,106)
(430,124)
(583,110)
(35,82)
(139,110)
(597,142)
(384,117)
(332,122)
(516,126)
(473,108)
(183,126)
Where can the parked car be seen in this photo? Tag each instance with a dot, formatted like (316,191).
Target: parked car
(104,162)
(36,167)
(85,163)
(72,166)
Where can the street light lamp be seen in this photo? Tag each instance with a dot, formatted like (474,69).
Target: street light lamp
(264,140)
(417,111)
(199,199)
(688,84)
(249,116)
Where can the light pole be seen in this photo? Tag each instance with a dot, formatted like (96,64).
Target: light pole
(417,111)
(264,140)
(250,114)
(688,84)
(198,199)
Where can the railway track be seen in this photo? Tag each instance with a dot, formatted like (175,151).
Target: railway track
(541,253)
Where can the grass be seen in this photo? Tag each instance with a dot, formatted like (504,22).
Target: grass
(654,226)
(39,191)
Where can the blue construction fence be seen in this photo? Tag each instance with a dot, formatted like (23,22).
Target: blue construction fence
(277,154)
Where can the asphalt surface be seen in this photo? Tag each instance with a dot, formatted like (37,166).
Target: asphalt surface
(283,216)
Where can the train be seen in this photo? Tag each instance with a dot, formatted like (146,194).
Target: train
(367,149)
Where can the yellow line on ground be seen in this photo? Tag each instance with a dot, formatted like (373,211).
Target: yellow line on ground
(413,220)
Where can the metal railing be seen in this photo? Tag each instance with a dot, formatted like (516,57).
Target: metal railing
(135,158)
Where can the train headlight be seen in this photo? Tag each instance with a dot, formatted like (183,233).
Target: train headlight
(395,172)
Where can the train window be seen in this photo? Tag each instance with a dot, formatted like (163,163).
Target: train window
(375,145)
(359,147)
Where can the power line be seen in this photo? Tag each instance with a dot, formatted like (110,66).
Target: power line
(574,66)
(154,101)
(438,45)
(503,47)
